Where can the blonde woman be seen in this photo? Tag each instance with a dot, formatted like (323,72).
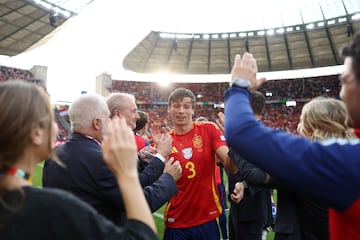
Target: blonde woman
(321,119)
(324,118)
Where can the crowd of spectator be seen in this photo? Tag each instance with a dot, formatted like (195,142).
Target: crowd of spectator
(152,97)
(9,73)
(149,92)
(300,88)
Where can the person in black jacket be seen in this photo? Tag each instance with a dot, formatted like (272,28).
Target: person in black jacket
(28,212)
(85,173)
(124,105)
(249,218)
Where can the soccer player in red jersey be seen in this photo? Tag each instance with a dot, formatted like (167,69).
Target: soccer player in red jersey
(192,213)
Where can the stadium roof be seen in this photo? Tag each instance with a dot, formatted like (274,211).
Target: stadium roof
(28,23)
(194,37)
(288,38)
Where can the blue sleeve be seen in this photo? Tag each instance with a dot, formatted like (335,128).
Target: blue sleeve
(327,171)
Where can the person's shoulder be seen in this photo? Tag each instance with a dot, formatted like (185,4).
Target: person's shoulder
(208,125)
(48,193)
(205,124)
(56,199)
(77,144)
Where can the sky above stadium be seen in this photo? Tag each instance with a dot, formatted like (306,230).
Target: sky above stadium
(97,40)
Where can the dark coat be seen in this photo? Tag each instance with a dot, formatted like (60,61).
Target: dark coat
(87,176)
(297,217)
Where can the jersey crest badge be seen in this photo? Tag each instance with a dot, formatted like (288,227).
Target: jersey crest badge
(187,153)
(197,142)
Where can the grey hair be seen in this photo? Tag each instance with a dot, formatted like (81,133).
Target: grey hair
(117,101)
(84,109)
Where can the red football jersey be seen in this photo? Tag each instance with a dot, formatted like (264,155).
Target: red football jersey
(197,201)
(140,142)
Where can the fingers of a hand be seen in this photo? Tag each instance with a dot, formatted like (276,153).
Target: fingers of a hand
(237,61)
(238,186)
(177,164)
(108,139)
(234,198)
(249,62)
(221,115)
(254,63)
(170,161)
(125,136)
(178,168)
(162,137)
(164,130)
(168,138)
(105,147)
(262,80)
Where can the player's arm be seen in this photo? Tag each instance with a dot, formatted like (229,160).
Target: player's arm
(222,155)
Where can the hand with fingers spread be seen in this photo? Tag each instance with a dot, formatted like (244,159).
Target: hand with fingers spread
(221,121)
(164,145)
(173,168)
(246,68)
(155,132)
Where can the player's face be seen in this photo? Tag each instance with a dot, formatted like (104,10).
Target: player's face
(181,112)
(350,94)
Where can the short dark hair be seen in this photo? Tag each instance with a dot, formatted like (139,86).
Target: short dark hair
(352,50)
(142,121)
(179,94)
(257,102)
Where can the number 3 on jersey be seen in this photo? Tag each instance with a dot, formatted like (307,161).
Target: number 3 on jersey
(191,167)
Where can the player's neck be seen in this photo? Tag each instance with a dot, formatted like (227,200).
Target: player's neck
(183,129)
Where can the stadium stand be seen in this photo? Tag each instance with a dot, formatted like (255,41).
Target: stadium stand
(153,99)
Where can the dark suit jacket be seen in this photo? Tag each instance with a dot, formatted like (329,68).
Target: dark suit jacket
(256,204)
(87,176)
(297,217)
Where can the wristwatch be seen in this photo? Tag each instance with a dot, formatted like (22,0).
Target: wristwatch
(241,83)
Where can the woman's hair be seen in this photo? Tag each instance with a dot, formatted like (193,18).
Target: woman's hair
(22,105)
(324,118)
